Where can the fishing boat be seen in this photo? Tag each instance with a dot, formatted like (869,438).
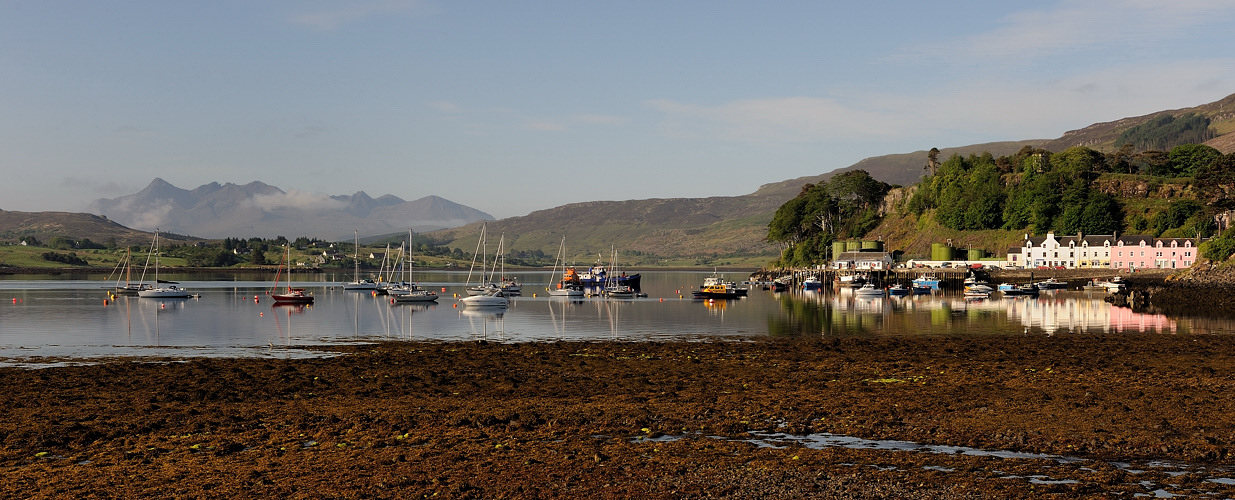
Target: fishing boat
(715,287)
(930,281)
(812,283)
(779,285)
(1051,284)
(977,291)
(1009,289)
(1113,285)
(292,295)
(598,275)
(898,290)
(409,291)
(357,283)
(869,290)
(851,280)
(162,289)
(570,285)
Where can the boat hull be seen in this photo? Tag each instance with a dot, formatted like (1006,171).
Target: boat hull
(292,298)
(631,280)
(700,294)
(164,293)
(417,296)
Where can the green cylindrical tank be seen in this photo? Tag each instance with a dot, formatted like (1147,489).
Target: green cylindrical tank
(872,245)
(853,246)
(976,253)
(940,251)
(838,247)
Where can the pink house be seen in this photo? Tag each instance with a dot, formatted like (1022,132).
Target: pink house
(1144,252)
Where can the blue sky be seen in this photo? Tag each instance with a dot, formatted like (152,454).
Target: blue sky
(511,107)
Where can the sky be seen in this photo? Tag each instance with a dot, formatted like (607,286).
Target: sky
(512,107)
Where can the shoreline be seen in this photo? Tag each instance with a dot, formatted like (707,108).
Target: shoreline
(612,419)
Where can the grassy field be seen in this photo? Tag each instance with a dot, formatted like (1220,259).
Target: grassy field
(32,257)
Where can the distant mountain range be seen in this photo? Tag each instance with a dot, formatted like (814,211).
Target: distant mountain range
(257,209)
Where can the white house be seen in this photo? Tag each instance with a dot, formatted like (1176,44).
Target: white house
(863,261)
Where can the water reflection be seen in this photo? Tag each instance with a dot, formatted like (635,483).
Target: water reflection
(842,312)
(490,320)
(58,317)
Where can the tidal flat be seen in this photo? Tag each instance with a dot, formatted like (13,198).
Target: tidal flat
(1030,416)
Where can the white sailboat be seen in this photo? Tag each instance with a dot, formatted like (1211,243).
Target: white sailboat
(357,283)
(614,290)
(410,291)
(162,290)
(484,285)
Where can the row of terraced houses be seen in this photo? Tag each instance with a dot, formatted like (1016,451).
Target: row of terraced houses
(1103,251)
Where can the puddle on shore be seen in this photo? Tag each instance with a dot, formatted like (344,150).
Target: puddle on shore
(1155,489)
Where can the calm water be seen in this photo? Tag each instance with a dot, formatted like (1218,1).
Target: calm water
(51,317)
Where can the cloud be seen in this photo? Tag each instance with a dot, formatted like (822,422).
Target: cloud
(1080,26)
(143,218)
(351,12)
(297,200)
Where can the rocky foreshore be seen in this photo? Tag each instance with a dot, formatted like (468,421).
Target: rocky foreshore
(979,416)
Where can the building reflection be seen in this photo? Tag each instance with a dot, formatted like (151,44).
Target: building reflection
(943,314)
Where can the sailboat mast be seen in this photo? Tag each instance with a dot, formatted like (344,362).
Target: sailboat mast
(156,258)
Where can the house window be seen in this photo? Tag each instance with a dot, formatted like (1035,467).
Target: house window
(1187,254)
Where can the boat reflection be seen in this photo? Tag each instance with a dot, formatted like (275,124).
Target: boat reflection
(490,319)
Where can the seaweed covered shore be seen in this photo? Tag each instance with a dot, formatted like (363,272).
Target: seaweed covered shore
(647,419)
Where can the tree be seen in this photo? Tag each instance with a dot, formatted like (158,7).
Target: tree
(258,256)
(1215,182)
(847,206)
(932,160)
(1187,159)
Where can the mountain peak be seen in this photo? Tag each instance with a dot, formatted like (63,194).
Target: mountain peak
(217,210)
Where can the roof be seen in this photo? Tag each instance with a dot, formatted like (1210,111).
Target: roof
(864,256)
(1136,239)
